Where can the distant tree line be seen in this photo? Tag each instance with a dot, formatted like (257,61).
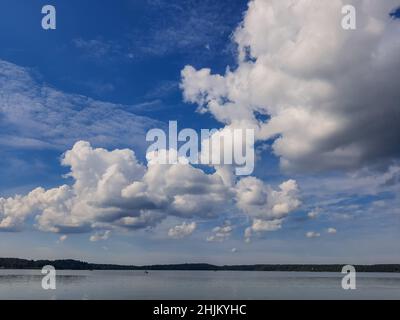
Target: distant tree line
(69,264)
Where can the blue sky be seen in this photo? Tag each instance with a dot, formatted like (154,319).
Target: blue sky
(112,71)
(90,58)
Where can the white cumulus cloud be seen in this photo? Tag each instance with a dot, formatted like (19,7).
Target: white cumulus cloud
(330,96)
(313,234)
(62,238)
(331,230)
(313,214)
(113,190)
(183,230)
(266,207)
(221,233)
(100,235)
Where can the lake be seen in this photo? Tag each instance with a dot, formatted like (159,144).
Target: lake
(26,284)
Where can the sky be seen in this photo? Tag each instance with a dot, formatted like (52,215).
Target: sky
(76,104)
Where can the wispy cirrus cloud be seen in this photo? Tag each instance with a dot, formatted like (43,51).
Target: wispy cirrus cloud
(194,27)
(35,115)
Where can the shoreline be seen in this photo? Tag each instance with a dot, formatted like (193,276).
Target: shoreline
(70,264)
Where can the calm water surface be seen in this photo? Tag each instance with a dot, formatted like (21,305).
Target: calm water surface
(26,284)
